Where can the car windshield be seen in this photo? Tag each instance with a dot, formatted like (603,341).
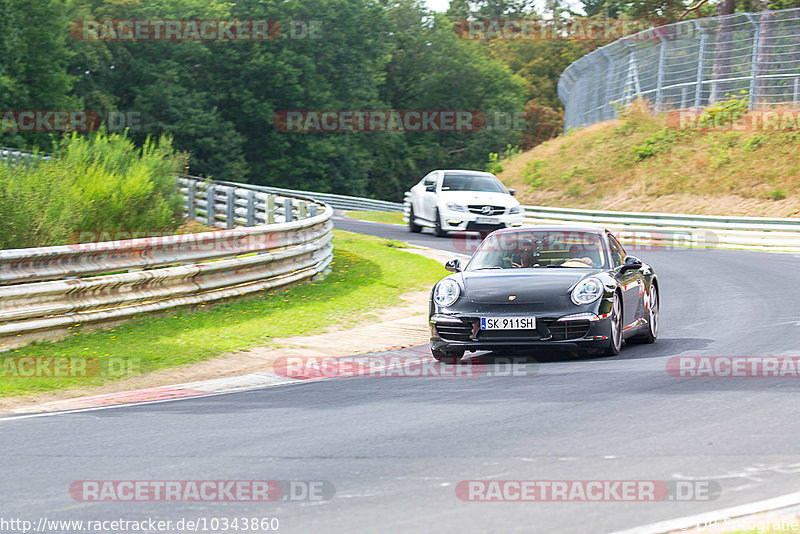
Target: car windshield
(472,182)
(532,249)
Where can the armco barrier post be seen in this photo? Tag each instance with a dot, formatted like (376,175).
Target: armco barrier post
(251,208)
(211,199)
(190,204)
(269,214)
(288,216)
(230,205)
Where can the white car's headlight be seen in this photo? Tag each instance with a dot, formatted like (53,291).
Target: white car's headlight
(513,210)
(587,291)
(452,206)
(446,292)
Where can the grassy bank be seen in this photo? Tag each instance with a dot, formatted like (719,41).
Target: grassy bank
(368,273)
(644,162)
(388,217)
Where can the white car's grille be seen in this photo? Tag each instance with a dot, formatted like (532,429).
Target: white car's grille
(481,209)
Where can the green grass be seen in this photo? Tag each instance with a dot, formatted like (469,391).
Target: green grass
(368,273)
(388,217)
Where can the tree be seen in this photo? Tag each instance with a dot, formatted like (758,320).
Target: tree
(33,60)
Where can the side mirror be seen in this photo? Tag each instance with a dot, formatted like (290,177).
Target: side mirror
(631,262)
(454,266)
(430,188)
(512,192)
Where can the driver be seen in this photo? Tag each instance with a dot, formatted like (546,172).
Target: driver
(527,255)
(578,257)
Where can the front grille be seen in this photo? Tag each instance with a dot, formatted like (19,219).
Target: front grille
(478,209)
(472,226)
(564,330)
(530,335)
(454,332)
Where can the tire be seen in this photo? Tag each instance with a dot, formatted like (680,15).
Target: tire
(437,228)
(652,319)
(615,339)
(447,357)
(413,227)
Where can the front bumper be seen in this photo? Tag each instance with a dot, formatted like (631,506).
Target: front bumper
(584,332)
(454,221)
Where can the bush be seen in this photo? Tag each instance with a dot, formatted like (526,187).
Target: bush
(777,194)
(533,173)
(540,124)
(495,165)
(722,114)
(92,184)
(660,141)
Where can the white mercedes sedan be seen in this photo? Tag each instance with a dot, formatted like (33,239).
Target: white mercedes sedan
(461,200)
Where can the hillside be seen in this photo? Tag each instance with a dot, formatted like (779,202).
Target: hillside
(639,163)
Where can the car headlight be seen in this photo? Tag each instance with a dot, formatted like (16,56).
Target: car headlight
(587,291)
(446,292)
(513,210)
(452,206)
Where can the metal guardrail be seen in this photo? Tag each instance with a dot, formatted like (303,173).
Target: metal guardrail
(339,202)
(771,234)
(681,230)
(13,156)
(688,64)
(46,291)
(235,204)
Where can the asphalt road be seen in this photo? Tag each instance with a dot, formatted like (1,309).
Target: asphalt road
(395,448)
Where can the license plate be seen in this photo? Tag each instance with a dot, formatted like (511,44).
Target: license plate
(486,220)
(508,323)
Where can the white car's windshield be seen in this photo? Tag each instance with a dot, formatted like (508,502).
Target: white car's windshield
(471,182)
(528,249)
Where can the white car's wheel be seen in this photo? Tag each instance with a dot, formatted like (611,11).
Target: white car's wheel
(437,226)
(413,227)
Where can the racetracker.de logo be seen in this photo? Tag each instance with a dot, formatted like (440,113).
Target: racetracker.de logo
(780,120)
(49,121)
(200,490)
(66,367)
(586,490)
(394,366)
(223,241)
(175,30)
(379,121)
(734,366)
(468,242)
(556,29)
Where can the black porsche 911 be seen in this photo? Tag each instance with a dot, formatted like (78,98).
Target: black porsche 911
(574,288)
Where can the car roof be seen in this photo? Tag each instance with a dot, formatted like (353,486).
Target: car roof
(467,171)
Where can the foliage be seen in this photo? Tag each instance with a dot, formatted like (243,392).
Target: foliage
(723,113)
(541,123)
(101,183)
(660,141)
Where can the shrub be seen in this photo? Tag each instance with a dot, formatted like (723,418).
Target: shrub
(96,183)
(777,194)
(725,112)
(533,173)
(754,143)
(541,123)
(660,141)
